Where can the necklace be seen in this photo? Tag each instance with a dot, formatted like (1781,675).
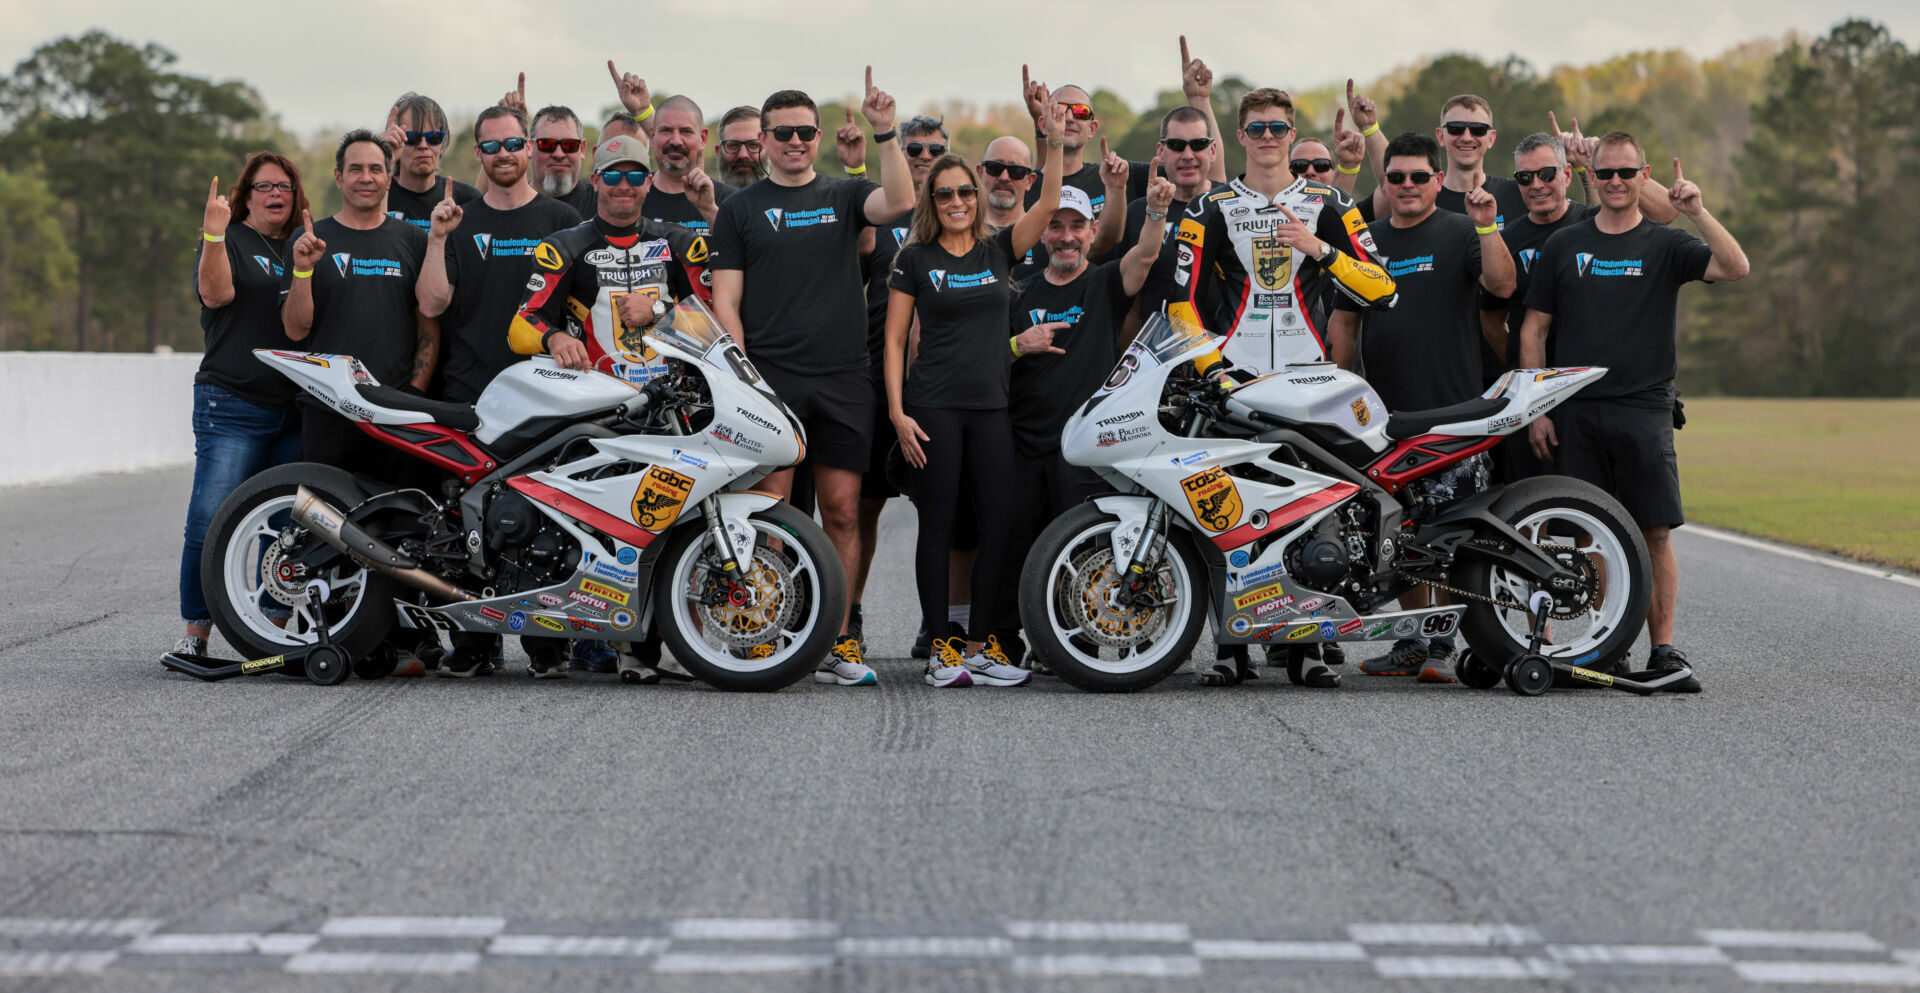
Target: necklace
(268,242)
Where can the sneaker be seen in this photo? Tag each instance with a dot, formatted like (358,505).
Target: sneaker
(593,656)
(547,666)
(843,666)
(464,663)
(922,643)
(857,628)
(189,644)
(946,666)
(1437,667)
(1667,658)
(1403,660)
(1229,667)
(990,666)
(1279,655)
(407,665)
(1332,654)
(431,654)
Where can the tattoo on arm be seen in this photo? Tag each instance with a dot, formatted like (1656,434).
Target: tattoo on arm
(426,348)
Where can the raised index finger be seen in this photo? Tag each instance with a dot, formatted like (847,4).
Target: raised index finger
(214,190)
(1676,170)
(522,88)
(393,116)
(1553,123)
(1185,59)
(1291,219)
(306,219)
(1339,119)
(615,73)
(1349,89)
(869,79)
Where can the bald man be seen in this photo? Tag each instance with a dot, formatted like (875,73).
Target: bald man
(679,151)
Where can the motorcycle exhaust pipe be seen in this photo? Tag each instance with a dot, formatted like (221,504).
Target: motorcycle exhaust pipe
(323,519)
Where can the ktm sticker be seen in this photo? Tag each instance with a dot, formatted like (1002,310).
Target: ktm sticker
(548,256)
(1361,415)
(661,494)
(1214,499)
(1190,231)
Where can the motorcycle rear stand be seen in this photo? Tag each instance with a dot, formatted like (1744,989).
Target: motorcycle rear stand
(325,663)
(1530,674)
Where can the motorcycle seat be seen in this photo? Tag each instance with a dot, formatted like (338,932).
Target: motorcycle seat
(1402,425)
(458,416)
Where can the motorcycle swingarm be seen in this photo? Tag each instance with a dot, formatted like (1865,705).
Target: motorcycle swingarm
(1452,533)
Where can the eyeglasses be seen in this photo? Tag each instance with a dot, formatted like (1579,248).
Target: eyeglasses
(997,168)
(1623,173)
(732,146)
(494,147)
(271,187)
(1300,166)
(933,149)
(785,132)
(1420,178)
(1525,177)
(1177,145)
(945,194)
(430,137)
(1079,111)
(1261,129)
(1458,128)
(633,177)
(565,145)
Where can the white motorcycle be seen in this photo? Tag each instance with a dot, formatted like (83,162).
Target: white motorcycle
(1293,509)
(576,505)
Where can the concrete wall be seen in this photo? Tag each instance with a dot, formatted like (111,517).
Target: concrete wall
(68,414)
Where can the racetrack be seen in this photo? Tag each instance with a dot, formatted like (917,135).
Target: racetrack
(160,833)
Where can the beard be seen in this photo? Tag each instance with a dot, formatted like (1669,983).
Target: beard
(557,184)
(742,176)
(1001,199)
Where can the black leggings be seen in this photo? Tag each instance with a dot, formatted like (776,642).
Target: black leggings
(969,454)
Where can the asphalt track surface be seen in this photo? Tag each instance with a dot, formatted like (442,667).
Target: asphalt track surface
(158,834)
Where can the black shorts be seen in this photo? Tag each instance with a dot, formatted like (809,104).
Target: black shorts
(836,409)
(874,485)
(1626,450)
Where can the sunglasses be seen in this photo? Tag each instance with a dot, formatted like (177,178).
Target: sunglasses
(1261,129)
(1420,178)
(945,194)
(732,146)
(271,187)
(1300,166)
(1623,173)
(566,145)
(494,147)
(1177,145)
(1458,128)
(1079,111)
(785,132)
(996,169)
(633,177)
(1525,177)
(933,149)
(430,137)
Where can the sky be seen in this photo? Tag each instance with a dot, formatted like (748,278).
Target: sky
(336,63)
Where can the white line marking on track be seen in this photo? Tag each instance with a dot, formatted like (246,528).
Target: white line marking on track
(1835,941)
(724,962)
(612,946)
(413,927)
(223,944)
(59,927)
(929,947)
(384,962)
(1106,965)
(1639,954)
(1443,934)
(1468,967)
(1878,572)
(52,963)
(752,929)
(1098,931)
(1310,951)
(1860,973)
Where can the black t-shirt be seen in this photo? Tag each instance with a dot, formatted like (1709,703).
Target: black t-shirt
(417,208)
(1524,237)
(1164,279)
(1508,202)
(798,249)
(878,266)
(675,208)
(1088,181)
(363,300)
(964,304)
(1422,353)
(582,199)
(1612,298)
(489,258)
(250,320)
(1047,388)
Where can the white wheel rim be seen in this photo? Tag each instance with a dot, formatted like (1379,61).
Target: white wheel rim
(1573,637)
(241,578)
(1119,662)
(803,580)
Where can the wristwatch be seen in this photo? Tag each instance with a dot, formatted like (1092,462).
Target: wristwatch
(1327,252)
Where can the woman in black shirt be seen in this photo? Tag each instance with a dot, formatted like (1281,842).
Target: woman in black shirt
(955,277)
(243,413)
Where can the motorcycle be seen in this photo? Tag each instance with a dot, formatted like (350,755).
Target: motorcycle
(577,505)
(1293,509)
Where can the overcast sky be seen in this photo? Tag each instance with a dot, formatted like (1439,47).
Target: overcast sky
(324,63)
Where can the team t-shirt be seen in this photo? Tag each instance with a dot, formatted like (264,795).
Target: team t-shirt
(363,300)
(675,208)
(489,259)
(878,266)
(1087,180)
(1508,203)
(582,199)
(1524,236)
(1612,297)
(798,249)
(250,320)
(1422,353)
(1164,279)
(1047,388)
(963,302)
(417,208)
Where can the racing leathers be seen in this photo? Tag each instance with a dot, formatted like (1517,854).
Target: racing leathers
(580,275)
(1268,300)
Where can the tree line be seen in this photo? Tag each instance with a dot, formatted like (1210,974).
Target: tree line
(1806,148)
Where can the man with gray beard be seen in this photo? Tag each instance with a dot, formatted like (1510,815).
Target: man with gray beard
(1006,174)
(743,160)
(557,153)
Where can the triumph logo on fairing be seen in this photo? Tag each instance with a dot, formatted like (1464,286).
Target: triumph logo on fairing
(555,374)
(1122,419)
(756,418)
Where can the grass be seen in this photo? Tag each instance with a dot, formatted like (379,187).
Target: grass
(1842,476)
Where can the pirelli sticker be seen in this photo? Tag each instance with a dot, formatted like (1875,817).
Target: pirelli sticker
(548,256)
(658,499)
(1214,499)
(605,592)
(1245,600)
(1190,231)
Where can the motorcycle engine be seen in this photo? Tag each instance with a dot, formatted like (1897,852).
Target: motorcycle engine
(1336,553)
(525,545)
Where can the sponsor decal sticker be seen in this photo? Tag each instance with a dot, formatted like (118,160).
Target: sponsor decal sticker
(604,592)
(263,665)
(1351,626)
(1258,576)
(1361,415)
(1190,231)
(548,256)
(1246,600)
(1240,559)
(613,573)
(1379,629)
(516,620)
(1304,631)
(1272,263)
(1311,604)
(622,619)
(493,614)
(1214,499)
(1240,624)
(1590,676)
(661,494)
(549,623)
(579,625)
(1327,631)
(1273,606)
(551,600)
(591,601)
(1405,627)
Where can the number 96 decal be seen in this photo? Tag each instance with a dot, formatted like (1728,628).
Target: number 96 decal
(1439,625)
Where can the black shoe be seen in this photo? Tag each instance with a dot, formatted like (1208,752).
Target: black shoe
(1332,654)
(1667,658)
(1229,668)
(548,665)
(922,643)
(857,627)
(464,663)
(430,654)
(1277,655)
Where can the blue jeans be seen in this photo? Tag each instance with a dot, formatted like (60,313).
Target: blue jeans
(232,440)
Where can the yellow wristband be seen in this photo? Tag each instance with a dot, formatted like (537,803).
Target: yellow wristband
(1371,128)
(857,171)
(1579,168)
(643,115)
(1344,171)
(1014,343)
(302,273)
(1489,229)
(215,238)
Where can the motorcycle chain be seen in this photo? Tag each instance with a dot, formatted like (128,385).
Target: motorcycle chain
(1507,602)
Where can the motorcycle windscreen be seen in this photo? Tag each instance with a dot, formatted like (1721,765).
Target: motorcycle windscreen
(1162,339)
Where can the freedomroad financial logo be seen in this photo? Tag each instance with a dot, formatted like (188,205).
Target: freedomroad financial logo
(773,217)
(341,261)
(482,242)
(1418,263)
(1527,255)
(1590,265)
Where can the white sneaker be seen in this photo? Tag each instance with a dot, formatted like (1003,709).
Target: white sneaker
(843,666)
(189,644)
(990,666)
(945,665)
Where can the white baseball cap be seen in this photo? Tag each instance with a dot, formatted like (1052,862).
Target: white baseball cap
(1075,199)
